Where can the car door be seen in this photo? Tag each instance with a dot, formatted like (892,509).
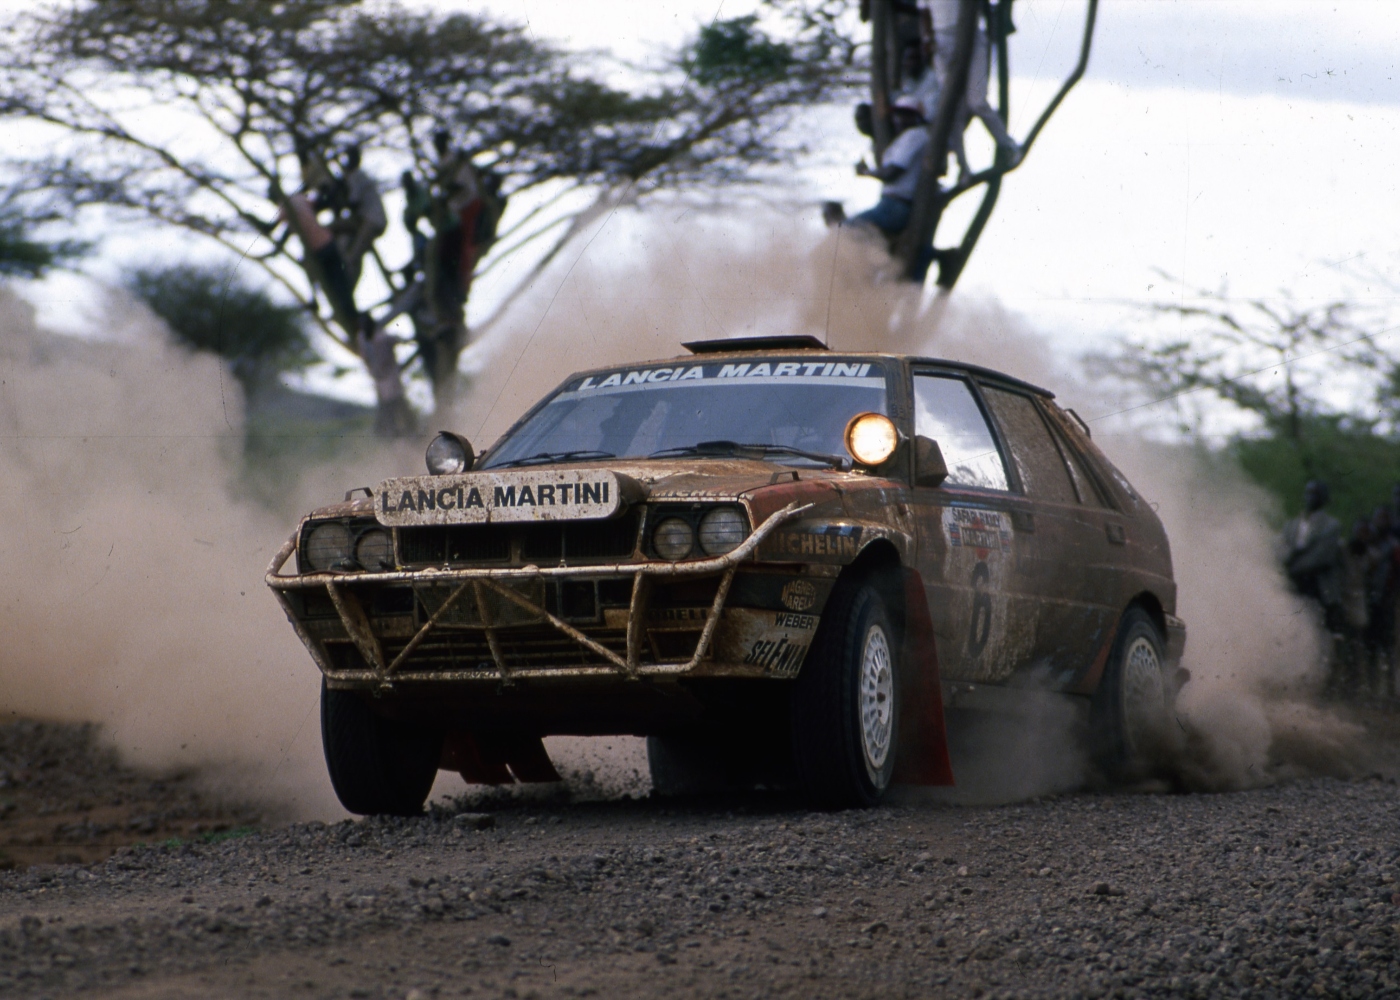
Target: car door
(971,531)
(1060,565)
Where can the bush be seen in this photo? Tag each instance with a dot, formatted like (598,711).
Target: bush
(212,309)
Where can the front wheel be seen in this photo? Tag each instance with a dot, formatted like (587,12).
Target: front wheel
(1131,709)
(377,765)
(845,712)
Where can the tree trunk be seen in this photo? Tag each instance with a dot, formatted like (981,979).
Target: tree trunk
(914,248)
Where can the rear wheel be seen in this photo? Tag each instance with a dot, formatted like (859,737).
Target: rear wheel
(377,765)
(1132,717)
(845,713)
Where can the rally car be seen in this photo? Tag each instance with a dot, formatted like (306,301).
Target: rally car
(775,561)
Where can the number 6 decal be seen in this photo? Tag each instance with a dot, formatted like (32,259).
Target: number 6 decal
(981,629)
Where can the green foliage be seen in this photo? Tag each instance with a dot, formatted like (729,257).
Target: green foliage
(736,49)
(213,309)
(23,256)
(1359,465)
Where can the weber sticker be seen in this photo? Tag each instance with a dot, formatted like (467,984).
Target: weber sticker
(479,497)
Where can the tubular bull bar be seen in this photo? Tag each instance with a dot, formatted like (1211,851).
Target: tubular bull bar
(480,582)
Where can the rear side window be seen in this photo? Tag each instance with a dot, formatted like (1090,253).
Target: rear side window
(1038,462)
(946,411)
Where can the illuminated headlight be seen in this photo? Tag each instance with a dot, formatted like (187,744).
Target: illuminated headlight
(329,546)
(673,538)
(871,438)
(375,550)
(449,453)
(722,530)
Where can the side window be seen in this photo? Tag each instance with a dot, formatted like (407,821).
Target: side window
(1083,483)
(946,410)
(1042,470)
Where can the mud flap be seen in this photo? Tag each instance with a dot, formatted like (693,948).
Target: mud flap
(923,738)
(497,759)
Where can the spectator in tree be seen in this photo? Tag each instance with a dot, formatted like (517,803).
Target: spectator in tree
(1312,553)
(393,417)
(323,261)
(366,219)
(920,82)
(944,18)
(900,169)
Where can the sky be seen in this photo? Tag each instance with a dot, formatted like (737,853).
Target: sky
(1247,145)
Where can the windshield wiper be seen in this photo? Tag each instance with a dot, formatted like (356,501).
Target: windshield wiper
(735,449)
(550,457)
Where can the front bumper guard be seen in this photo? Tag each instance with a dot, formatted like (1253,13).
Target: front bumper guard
(481,580)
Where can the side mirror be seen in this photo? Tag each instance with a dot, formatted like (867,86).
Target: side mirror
(929,467)
(449,453)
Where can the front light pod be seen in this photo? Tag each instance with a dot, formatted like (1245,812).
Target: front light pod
(871,438)
(673,538)
(722,530)
(449,454)
(329,545)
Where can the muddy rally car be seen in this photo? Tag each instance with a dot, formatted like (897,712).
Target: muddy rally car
(776,562)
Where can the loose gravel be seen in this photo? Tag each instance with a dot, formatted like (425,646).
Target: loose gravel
(1286,891)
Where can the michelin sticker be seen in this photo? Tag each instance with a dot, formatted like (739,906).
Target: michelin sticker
(481,497)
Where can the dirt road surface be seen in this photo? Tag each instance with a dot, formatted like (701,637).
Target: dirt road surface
(1285,891)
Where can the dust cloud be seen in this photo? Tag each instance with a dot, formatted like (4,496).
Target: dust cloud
(134,592)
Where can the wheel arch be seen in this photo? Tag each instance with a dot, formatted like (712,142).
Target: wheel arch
(1149,603)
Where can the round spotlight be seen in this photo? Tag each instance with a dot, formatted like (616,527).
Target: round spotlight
(329,546)
(449,453)
(722,530)
(375,550)
(673,538)
(871,438)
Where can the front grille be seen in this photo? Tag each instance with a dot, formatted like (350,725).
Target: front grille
(543,543)
(566,540)
(460,543)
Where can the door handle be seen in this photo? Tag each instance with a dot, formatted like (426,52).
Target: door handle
(1116,534)
(1023,520)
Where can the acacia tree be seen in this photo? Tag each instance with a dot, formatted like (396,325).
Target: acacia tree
(1319,379)
(191,113)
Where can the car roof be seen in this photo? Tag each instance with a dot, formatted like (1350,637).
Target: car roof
(749,346)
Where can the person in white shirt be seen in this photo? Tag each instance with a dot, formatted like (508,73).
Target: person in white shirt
(899,170)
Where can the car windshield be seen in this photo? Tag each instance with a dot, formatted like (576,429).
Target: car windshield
(792,412)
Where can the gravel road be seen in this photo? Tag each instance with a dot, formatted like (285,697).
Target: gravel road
(1285,891)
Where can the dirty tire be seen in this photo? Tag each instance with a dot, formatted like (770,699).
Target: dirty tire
(683,765)
(844,704)
(378,766)
(1131,709)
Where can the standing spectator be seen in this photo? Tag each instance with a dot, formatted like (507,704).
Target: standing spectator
(1356,654)
(323,260)
(1380,599)
(1312,553)
(944,18)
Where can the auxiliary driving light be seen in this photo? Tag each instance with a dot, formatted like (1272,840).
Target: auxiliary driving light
(329,546)
(449,453)
(722,530)
(673,538)
(871,438)
(375,550)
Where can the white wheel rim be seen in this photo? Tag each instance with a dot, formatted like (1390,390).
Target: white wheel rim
(1143,699)
(876,698)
